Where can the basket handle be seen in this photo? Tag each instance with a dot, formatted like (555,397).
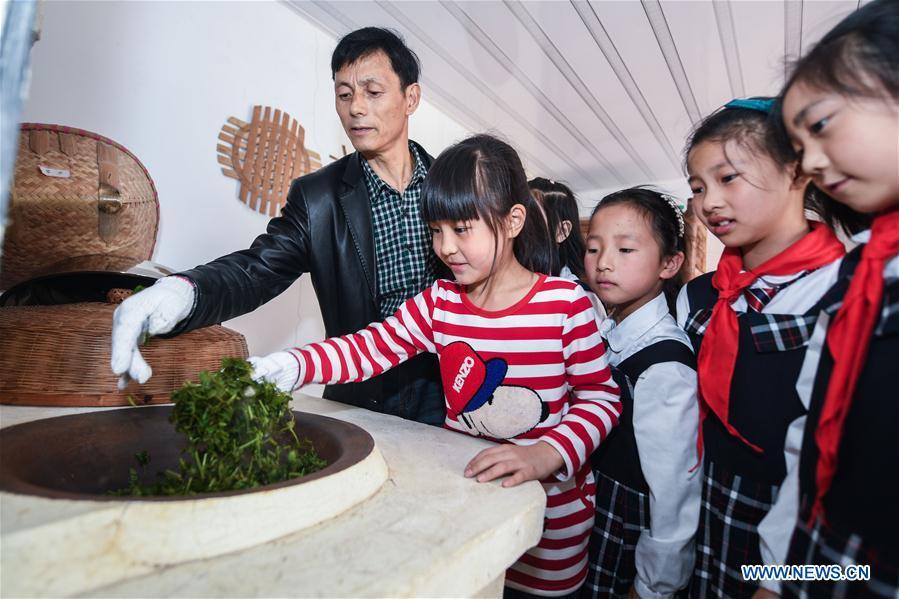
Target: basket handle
(109,200)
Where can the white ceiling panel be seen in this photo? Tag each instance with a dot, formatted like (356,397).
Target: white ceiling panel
(819,16)
(694,30)
(615,121)
(761,57)
(597,93)
(483,64)
(505,38)
(664,115)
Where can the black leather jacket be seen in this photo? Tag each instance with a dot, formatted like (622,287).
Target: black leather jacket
(325,229)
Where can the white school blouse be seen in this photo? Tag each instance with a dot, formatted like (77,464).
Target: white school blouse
(664,398)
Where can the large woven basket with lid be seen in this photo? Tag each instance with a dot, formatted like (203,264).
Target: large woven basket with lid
(75,193)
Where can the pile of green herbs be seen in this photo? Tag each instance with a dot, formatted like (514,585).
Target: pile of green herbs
(240,435)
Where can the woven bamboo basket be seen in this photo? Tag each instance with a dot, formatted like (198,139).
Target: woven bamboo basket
(60,355)
(75,193)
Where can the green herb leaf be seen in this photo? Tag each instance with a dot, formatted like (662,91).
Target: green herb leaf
(142,457)
(240,435)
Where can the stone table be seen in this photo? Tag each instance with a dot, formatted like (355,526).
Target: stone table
(428,531)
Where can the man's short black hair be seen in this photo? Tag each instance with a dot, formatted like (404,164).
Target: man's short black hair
(368,40)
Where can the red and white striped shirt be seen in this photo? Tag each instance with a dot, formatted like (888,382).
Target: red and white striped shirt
(536,371)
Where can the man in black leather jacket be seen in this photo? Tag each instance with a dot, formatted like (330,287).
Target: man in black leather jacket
(353,226)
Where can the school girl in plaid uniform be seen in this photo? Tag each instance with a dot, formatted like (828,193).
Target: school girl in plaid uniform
(520,354)
(647,489)
(749,321)
(841,110)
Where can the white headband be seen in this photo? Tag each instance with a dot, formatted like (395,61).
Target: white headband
(674,206)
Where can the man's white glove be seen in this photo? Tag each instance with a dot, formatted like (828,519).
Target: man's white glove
(153,311)
(281,368)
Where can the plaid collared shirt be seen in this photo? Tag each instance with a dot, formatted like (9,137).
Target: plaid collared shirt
(770,332)
(404,262)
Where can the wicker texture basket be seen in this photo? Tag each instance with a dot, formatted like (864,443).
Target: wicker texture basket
(75,193)
(59,355)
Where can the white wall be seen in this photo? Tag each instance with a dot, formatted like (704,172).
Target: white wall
(161,78)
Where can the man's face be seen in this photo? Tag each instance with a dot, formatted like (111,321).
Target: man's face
(373,108)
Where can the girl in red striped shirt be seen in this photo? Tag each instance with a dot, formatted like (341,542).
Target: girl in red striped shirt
(520,354)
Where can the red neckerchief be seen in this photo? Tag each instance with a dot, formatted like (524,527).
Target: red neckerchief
(718,352)
(848,339)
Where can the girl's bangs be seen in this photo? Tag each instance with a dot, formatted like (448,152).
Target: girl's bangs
(449,205)
(450,193)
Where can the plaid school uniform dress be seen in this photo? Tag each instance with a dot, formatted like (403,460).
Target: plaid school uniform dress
(861,507)
(622,515)
(647,342)
(740,485)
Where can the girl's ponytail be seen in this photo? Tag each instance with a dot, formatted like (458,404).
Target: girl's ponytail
(534,247)
(560,205)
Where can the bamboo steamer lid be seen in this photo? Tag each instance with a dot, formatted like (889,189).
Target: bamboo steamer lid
(75,193)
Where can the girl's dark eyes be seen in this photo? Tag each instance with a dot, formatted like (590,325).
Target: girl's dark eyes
(626,250)
(729,178)
(697,190)
(592,250)
(460,230)
(818,125)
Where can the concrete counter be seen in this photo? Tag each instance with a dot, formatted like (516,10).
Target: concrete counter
(427,532)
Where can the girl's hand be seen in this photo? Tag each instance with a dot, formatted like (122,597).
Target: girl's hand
(524,463)
(632,593)
(281,368)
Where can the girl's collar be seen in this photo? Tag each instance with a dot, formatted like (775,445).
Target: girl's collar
(628,331)
(505,311)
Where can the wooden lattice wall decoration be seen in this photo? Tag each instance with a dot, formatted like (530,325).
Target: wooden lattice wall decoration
(265,155)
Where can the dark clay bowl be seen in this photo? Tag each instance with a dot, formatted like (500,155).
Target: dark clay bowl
(84,456)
